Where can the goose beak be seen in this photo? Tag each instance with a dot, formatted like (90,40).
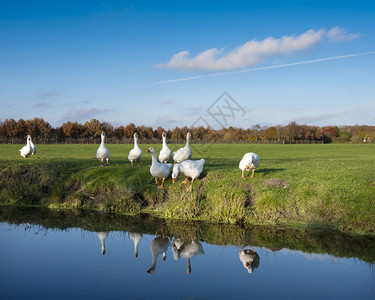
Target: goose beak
(247,167)
(173,179)
(148,150)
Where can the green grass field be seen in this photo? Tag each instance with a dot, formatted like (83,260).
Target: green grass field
(307,185)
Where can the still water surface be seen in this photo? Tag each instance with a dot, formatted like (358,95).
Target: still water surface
(41,263)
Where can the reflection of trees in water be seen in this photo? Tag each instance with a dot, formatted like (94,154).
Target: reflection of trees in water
(307,240)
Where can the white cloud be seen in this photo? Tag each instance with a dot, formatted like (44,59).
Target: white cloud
(314,119)
(48,95)
(253,52)
(46,99)
(193,110)
(84,114)
(166,101)
(75,103)
(338,34)
(42,104)
(166,122)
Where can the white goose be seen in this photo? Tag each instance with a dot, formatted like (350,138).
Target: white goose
(136,237)
(250,161)
(136,153)
(102,236)
(103,154)
(26,150)
(250,259)
(183,153)
(157,169)
(158,245)
(165,153)
(33,148)
(188,168)
(187,251)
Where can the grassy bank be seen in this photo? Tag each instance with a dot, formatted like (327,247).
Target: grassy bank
(315,185)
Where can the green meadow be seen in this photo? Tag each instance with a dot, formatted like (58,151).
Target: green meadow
(324,186)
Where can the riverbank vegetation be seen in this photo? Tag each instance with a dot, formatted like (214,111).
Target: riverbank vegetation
(329,185)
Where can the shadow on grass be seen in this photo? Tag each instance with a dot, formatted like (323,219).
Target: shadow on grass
(269,170)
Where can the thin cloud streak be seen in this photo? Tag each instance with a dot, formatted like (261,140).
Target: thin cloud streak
(249,54)
(259,69)
(254,51)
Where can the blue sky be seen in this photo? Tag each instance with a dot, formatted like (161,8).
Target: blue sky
(164,64)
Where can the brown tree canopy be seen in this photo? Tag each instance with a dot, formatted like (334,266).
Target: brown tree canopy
(92,129)
(270,134)
(41,131)
(73,130)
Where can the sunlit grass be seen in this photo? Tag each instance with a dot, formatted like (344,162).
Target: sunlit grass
(330,184)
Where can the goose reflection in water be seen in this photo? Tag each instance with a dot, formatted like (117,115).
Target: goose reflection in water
(158,245)
(102,236)
(250,259)
(187,250)
(136,237)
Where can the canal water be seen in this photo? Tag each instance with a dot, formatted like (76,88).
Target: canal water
(85,255)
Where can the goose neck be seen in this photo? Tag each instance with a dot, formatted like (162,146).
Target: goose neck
(153,157)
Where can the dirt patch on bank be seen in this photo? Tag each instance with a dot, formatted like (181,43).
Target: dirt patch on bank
(277,182)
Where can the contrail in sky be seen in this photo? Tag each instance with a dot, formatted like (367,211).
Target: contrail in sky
(259,69)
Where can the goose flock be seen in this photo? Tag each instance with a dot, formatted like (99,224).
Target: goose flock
(183,164)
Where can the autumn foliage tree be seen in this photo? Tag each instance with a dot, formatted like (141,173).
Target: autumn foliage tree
(9,128)
(92,129)
(73,132)
(270,134)
(21,128)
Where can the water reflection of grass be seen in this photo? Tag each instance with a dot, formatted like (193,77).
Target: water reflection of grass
(275,238)
(318,185)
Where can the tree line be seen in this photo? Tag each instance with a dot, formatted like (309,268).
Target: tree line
(12,131)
